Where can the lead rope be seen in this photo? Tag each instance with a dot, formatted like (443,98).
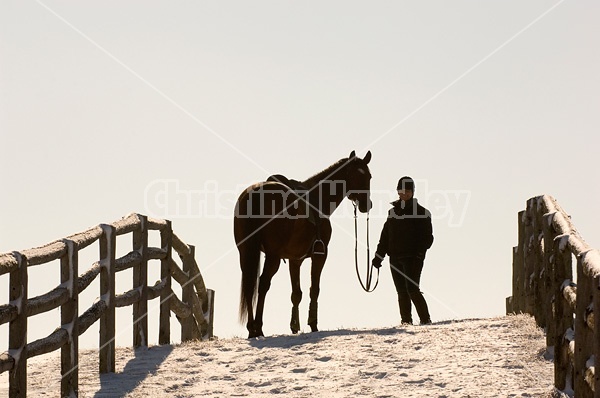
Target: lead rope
(366,286)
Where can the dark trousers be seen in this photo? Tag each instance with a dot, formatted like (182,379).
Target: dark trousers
(406,272)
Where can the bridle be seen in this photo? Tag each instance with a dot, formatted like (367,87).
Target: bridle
(367,285)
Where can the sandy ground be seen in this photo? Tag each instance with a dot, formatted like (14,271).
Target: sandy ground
(497,357)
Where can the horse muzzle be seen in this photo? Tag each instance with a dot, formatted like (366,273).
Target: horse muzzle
(365,206)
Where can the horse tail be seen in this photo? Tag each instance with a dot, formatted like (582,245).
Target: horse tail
(250,264)
(248,240)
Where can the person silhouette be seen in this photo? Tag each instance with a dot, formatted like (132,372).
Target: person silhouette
(406,236)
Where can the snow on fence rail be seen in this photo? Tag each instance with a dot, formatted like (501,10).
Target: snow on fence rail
(543,287)
(194,311)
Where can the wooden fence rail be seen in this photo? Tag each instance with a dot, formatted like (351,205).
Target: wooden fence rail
(543,286)
(194,311)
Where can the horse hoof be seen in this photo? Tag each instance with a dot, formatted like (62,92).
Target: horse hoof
(256,333)
(295,331)
(313,328)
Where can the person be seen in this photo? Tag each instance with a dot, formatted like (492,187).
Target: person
(406,236)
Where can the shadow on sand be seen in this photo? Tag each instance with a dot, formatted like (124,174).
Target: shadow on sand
(288,341)
(146,362)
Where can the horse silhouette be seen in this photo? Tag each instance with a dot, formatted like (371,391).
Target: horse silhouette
(289,219)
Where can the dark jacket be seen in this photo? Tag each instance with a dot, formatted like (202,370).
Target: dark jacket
(406,232)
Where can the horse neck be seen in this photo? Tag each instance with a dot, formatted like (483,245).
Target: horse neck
(329,194)
(327,189)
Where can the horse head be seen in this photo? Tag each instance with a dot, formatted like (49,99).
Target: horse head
(358,181)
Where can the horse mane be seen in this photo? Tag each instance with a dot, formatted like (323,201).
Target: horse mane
(325,173)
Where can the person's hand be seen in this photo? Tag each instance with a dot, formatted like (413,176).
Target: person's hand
(376,262)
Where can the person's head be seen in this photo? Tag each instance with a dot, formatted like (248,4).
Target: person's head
(406,188)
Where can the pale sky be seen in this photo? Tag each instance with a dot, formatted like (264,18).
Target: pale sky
(152,106)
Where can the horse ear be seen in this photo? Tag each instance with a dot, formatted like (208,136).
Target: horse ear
(367,158)
(352,155)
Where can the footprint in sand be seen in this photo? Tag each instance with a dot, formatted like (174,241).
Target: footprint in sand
(260,384)
(299,370)
(375,375)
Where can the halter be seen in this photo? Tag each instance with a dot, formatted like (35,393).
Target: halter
(366,286)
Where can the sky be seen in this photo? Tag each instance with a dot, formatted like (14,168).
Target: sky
(171,109)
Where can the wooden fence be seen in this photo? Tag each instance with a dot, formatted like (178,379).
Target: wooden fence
(543,286)
(194,311)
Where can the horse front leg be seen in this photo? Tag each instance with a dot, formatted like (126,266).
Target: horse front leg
(318,261)
(296,295)
(270,268)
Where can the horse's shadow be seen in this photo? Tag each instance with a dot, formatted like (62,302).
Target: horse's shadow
(289,341)
(146,363)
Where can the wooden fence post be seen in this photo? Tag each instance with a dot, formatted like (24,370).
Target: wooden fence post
(540,298)
(164,328)
(584,338)
(519,295)
(140,281)
(107,293)
(210,314)
(550,290)
(17,329)
(529,256)
(69,316)
(563,271)
(189,327)
(512,304)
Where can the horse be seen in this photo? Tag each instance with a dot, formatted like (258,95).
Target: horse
(288,219)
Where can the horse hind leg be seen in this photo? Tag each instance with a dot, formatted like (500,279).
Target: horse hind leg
(250,323)
(270,269)
(296,295)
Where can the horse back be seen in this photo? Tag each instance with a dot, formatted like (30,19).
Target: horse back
(275,217)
